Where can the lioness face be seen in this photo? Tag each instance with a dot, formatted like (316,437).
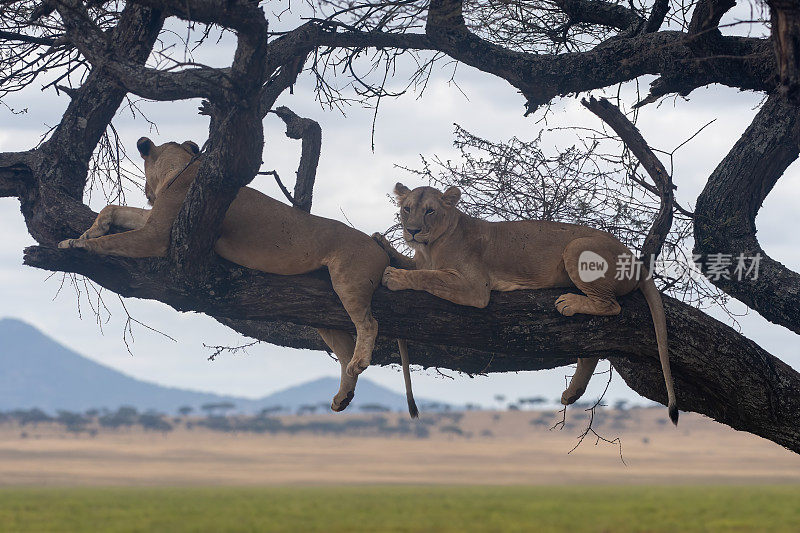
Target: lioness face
(162,163)
(426,213)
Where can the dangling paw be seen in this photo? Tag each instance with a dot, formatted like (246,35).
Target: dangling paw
(341,401)
(568,397)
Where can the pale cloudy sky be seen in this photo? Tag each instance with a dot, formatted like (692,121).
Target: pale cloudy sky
(353,184)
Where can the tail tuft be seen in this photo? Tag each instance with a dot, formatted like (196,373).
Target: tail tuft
(673,413)
(412,408)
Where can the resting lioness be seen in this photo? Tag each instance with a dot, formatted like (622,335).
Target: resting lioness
(462,259)
(261,233)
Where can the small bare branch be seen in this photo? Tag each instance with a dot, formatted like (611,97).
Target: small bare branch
(311,134)
(630,135)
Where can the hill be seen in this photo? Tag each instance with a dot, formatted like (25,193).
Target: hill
(39,372)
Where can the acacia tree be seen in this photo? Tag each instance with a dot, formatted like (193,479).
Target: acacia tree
(106,51)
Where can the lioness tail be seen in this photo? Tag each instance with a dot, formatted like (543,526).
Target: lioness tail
(653,297)
(412,405)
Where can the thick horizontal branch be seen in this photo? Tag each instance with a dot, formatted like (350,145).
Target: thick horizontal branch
(752,390)
(465,360)
(600,12)
(541,77)
(104,53)
(241,15)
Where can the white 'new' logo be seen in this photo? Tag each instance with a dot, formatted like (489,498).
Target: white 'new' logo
(591,266)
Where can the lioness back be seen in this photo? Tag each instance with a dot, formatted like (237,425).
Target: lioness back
(262,233)
(524,254)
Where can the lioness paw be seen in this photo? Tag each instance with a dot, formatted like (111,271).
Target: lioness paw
(68,243)
(392,279)
(567,304)
(340,404)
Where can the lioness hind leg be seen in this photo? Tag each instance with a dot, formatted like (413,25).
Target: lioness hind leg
(591,264)
(600,287)
(343,345)
(354,277)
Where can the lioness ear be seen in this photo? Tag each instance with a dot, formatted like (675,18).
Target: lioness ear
(451,196)
(192,147)
(144,145)
(400,190)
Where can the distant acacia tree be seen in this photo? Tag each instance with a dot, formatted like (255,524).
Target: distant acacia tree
(103,55)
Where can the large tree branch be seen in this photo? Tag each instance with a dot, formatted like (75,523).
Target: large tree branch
(752,390)
(726,213)
(706,17)
(103,52)
(600,12)
(15,174)
(541,77)
(468,360)
(241,15)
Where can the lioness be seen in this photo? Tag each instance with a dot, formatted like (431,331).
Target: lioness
(462,259)
(261,233)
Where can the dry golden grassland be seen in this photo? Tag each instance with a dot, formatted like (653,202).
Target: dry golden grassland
(508,448)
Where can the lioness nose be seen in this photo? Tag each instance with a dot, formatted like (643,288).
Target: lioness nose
(412,231)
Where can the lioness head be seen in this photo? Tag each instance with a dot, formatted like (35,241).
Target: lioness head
(426,213)
(162,163)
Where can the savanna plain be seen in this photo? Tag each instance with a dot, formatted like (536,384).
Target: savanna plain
(473,471)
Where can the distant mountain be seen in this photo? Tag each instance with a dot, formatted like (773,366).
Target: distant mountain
(36,371)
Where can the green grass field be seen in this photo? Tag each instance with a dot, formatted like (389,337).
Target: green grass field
(403,508)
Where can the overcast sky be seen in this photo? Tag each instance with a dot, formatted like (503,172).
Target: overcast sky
(353,183)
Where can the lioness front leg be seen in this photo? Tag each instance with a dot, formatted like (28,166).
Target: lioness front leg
(151,239)
(449,284)
(144,242)
(127,218)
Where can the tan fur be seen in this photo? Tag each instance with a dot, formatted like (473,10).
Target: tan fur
(260,233)
(462,259)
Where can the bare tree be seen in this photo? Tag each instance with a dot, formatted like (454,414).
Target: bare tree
(97,53)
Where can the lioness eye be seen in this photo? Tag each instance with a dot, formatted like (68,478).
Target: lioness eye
(429,211)
(407,209)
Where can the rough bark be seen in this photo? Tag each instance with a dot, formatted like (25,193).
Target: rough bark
(726,212)
(746,63)
(752,390)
